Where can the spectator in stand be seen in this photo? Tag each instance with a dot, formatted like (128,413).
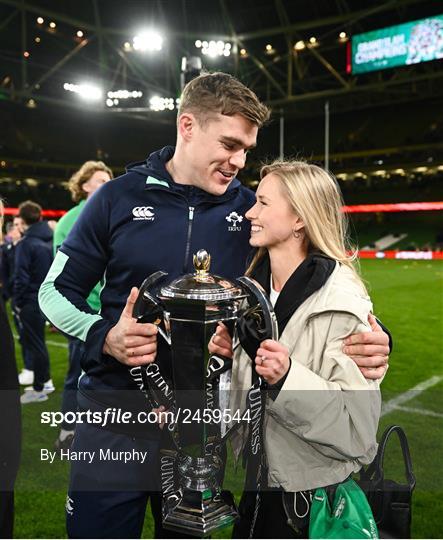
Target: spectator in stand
(33,258)
(15,234)
(82,185)
(10,421)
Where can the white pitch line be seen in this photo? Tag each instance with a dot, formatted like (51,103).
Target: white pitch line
(393,403)
(415,410)
(57,344)
(50,342)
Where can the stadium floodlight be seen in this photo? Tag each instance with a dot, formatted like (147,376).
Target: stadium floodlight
(86,91)
(214,48)
(40,20)
(157,103)
(125,94)
(148,40)
(300,45)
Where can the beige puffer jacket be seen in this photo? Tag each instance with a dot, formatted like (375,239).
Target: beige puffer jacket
(323,424)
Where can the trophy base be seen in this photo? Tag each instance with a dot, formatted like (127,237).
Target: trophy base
(200,513)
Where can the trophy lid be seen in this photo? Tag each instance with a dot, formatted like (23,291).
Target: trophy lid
(201,285)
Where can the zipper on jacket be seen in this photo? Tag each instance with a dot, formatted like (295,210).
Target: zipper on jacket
(188,238)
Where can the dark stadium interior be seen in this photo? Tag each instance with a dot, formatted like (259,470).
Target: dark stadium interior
(386,127)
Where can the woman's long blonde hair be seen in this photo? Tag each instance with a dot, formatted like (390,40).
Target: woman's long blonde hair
(315,197)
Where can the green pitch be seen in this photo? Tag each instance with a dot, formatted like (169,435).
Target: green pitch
(407,297)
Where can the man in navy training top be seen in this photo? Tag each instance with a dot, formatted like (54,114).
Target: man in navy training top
(33,258)
(152,218)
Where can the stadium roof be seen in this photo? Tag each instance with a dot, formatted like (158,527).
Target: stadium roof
(294,59)
(266,29)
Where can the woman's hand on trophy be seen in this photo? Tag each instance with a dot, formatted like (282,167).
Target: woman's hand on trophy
(272,361)
(221,342)
(130,342)
(162,416)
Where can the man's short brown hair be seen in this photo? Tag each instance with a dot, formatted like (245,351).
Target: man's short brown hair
(81,176)
(221,93)
(30,212)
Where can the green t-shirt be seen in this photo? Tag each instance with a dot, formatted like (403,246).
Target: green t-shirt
(64,225)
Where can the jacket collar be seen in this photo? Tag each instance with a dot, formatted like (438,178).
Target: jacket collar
(308,278)
(157,176)
(40,230)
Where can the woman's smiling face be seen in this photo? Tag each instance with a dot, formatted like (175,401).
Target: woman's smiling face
(272,218)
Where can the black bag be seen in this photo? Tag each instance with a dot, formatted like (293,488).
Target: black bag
(390,501)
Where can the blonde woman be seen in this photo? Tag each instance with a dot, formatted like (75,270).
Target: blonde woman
(320,414)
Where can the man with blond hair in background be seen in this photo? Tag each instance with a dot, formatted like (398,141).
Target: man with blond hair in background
(83,184)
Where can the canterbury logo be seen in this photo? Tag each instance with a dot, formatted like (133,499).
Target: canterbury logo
(143,212)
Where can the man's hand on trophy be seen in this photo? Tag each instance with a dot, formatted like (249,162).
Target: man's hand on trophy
(131,343)
(221,342)
(272,361)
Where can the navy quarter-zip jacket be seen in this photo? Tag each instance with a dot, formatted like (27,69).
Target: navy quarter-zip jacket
(131,227)
(32,260)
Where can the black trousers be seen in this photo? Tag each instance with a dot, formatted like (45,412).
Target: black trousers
(6,514)
(107,499)
(272,520)
(33,339)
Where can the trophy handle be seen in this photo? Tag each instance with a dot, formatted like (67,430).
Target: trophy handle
(261,311)
(147,309)
(265,315)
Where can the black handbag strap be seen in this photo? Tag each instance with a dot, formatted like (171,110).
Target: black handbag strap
(375,469)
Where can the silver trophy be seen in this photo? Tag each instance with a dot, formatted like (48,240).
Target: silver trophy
(187,312)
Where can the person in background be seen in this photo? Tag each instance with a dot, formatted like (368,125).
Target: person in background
(10,419)
(33,258)
(15,234)
(83,183)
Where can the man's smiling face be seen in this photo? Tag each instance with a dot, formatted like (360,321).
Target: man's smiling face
(218,149)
